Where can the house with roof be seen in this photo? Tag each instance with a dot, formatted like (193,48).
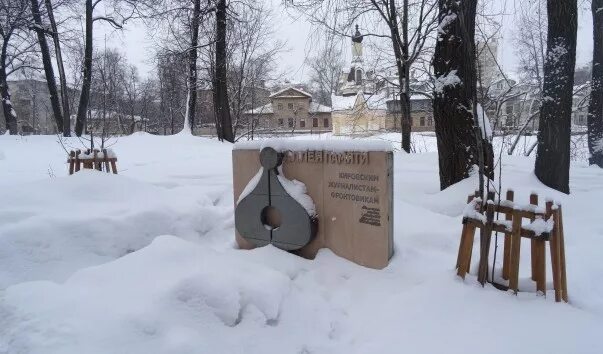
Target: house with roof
(290,109)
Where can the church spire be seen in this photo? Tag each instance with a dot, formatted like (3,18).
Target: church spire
(357,37)
(357,47)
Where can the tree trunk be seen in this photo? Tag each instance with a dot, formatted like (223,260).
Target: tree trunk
(460,142)
(47,63)
(400,46)
(221,105)
(406,123)
(10,117)
(553,154)
(595,107)
(191,100)
(85,95)
(61,68)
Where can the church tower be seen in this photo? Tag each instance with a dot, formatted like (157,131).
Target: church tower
(357,46)
(357,60)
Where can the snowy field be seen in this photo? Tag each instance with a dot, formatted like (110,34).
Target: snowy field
(145,262)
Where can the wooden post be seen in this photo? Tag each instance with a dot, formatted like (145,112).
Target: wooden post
(508,241)
(106,161)
(553,243)
(77,160)
(465,252)
(485,237)
(562,256)
(515,252)
(95,165)
(533,252)
(463,237)
(71,162)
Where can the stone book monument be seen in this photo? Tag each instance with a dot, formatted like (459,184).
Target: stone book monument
(346,205)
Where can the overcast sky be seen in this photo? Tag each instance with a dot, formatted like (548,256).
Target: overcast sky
(134,41)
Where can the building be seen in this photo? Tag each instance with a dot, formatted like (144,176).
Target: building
(290,110)
(580,103)
(487,64)
(359,114)
(365,103)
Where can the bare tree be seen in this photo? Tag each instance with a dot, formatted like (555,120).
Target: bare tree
(121,11)
(172,77)
(54,31)
(553,154)
(221,105)
(47,63)
(252,52)
(16,51)
(325,68)
(409,26)
(595,107)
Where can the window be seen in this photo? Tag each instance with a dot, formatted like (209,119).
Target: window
(290,106)
(302,123)
(280,106)
(291,122)
(430,121)
(315,122)
(280,122)
(499,85)
(325,122)
(358,77)
(422,121)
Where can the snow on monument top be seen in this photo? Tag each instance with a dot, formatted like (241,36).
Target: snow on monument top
(282,145)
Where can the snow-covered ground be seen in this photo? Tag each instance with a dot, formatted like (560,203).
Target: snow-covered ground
(145,262)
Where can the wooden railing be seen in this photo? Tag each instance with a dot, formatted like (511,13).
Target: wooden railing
(545,225)
(92,159)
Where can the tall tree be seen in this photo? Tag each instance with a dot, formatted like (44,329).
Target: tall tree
(87,71)
(116,13)
(553,154)
(595,107)
(16,51)
(325,69)
(461,143)
(220,92)
(54,31)
(191,98)
(47,63)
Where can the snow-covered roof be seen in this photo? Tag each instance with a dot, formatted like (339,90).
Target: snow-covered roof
(291,88)
(371,101)
(419,96)
(376,101)
(343,103)
(265,109)
(318,108)
(283,145)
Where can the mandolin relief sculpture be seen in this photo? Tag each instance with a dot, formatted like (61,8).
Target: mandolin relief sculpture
(270,215)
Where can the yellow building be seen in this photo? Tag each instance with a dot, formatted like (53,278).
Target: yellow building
(359,114)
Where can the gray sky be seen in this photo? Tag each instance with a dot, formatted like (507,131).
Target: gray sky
(134,41)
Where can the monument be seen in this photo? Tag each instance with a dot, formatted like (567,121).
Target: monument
(302,196)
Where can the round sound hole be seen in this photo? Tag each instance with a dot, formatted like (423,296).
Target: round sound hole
(271,218)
